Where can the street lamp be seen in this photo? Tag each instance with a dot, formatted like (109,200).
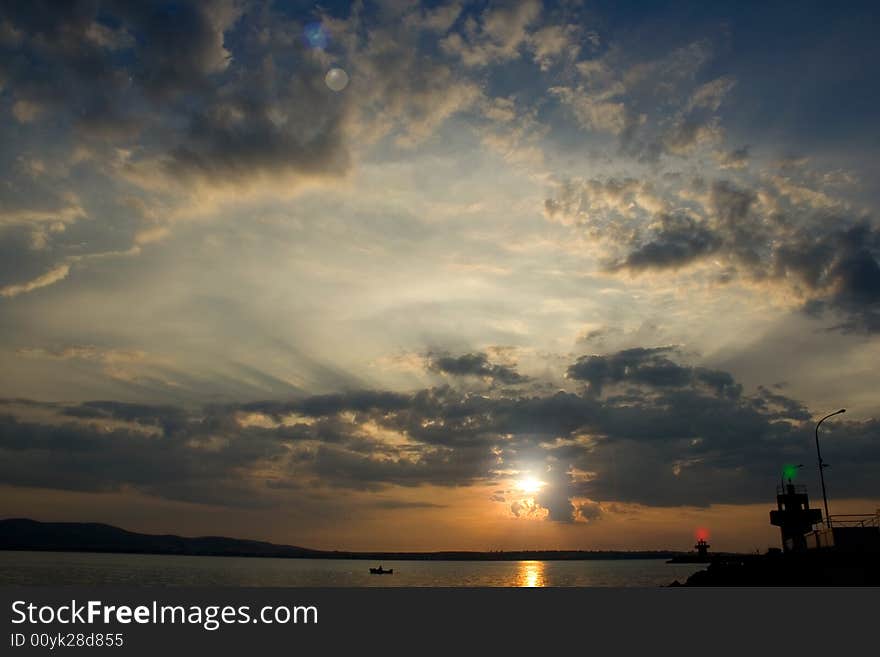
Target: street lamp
(822,465)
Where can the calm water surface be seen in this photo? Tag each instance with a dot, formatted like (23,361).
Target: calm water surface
(64,568)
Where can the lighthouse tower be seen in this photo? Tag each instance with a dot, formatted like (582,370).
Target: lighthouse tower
(793,516)
(702,548)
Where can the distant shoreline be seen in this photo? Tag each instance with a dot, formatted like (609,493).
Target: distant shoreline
(552,555)
(21,534)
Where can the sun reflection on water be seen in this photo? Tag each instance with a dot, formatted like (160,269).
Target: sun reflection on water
(530,574)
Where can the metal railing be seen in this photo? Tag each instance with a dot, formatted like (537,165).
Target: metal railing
(855,520)
(785,489)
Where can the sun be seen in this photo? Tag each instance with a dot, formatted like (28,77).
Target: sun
(529,485)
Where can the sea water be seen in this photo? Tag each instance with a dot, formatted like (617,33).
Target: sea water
(70,568)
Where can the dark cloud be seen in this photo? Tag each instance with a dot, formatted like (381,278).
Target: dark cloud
(178,45)
(737,227)
(839,271)
(677,434)
(185,465)
(197,85)
(93,62)
(111,108)
(318,405)
(827,253)
(589,511)
(236,139)
(61,60)
(650,367)
(721,382)
(270,114)
(679,240)
(776,406)
(597,335)
(555,495)
(476,365)
(169,418)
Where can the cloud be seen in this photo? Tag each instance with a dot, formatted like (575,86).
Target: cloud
(525,508)
(407,504)
(54,275)
(696,125)
(497,35)
(247,114)
(91,458)
(118,364)
(26,111)
(401,89)
(32,204)
(553,42)
(174,48)
(123,121)
(735,159)
(651,367)
(589,511)
(181,107)
(602,112)
(475,365)
(439,19)
(599,204)
(711,94)
(654,105)
(683,434)
(270,118)
(842,272)
(690,133)
(179,46)
(678,240)
(247,133)
(773,234)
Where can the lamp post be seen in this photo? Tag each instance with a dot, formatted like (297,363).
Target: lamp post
(822,465)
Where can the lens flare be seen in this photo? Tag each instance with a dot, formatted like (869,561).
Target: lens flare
(315,36)
(336,79)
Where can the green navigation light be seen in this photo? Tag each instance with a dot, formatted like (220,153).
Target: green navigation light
(789,472)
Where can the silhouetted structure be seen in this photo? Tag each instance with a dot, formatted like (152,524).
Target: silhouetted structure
(847,533)
(842,533)
(702,548)
(793,516)
(842,551)
(700,555)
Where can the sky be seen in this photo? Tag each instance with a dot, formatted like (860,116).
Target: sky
(399,276)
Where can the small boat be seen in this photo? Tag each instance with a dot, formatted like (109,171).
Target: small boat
(381,571)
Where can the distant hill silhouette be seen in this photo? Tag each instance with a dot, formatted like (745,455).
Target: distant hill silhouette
(24,534)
